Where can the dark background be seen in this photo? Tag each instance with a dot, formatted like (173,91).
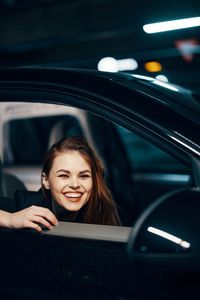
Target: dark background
(79,33)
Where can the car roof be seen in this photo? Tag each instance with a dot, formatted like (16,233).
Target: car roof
(165,108)
(172,95)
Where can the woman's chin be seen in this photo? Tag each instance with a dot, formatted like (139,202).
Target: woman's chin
(73,206)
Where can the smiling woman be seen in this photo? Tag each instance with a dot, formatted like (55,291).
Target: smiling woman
(72,187)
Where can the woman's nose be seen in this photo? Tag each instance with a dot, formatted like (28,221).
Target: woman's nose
(74,183)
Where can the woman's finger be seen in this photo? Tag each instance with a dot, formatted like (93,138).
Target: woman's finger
(33,225)
(40,220)
(45,213)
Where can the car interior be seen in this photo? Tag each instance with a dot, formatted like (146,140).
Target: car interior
(136,171)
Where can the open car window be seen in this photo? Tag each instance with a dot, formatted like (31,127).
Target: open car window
(137,171)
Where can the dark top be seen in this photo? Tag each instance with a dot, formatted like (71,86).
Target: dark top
(24,199)
(8,204)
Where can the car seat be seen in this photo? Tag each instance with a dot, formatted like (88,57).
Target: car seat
(64,128)
(8,185)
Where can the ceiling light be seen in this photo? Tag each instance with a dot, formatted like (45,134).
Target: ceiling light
(110,64)
(153,66)
(172,25)
(127,64)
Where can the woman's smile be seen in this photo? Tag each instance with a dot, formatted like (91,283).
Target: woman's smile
(73,196)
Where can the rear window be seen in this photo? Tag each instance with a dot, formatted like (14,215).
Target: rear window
(29,139)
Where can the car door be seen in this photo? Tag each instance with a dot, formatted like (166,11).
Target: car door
(89,261)
(73,261)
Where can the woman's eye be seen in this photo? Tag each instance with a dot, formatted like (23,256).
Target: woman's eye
(63,176)
(85,176)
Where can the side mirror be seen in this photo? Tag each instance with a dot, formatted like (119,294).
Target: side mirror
(168,233)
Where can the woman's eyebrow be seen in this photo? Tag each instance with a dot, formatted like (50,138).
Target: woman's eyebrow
(85,171)
(62,170)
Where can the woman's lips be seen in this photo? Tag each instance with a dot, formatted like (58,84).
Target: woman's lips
(73,196)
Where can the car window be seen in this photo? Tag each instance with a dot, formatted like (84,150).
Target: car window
(145,156)
(130,162)
(36,132)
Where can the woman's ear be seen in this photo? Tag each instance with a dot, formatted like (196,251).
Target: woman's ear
(45,181)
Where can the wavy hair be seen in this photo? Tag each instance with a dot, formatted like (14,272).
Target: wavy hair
(100,209)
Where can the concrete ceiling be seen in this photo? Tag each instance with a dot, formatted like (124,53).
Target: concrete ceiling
(79,33)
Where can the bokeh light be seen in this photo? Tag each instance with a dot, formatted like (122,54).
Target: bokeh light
(153,66)
(110,64)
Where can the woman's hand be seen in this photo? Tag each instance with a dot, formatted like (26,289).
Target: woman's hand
(34,217)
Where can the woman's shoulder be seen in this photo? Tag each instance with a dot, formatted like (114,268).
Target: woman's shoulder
(24,199)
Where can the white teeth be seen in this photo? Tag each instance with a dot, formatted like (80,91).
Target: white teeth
(73,195)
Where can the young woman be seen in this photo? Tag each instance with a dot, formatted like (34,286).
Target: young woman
(72,178)
(73,188)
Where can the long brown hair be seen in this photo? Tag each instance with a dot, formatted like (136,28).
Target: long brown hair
(100,209)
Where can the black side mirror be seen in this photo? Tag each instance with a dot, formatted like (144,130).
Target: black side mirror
(168,232)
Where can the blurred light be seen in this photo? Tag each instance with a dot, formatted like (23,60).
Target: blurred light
(110,64)
(169,236)
(165,85)
(127,64)
(187,48)
(172,25)
(153,66)
(162,78)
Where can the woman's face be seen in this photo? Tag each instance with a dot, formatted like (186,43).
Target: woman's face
(70,180)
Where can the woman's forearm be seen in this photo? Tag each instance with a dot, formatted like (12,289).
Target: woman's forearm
(31,217)
(4,218)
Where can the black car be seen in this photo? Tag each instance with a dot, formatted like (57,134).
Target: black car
(147,133)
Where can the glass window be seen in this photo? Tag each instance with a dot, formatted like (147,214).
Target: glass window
(145,156)
(30,138)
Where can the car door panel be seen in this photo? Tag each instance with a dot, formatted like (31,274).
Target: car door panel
(59,264)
